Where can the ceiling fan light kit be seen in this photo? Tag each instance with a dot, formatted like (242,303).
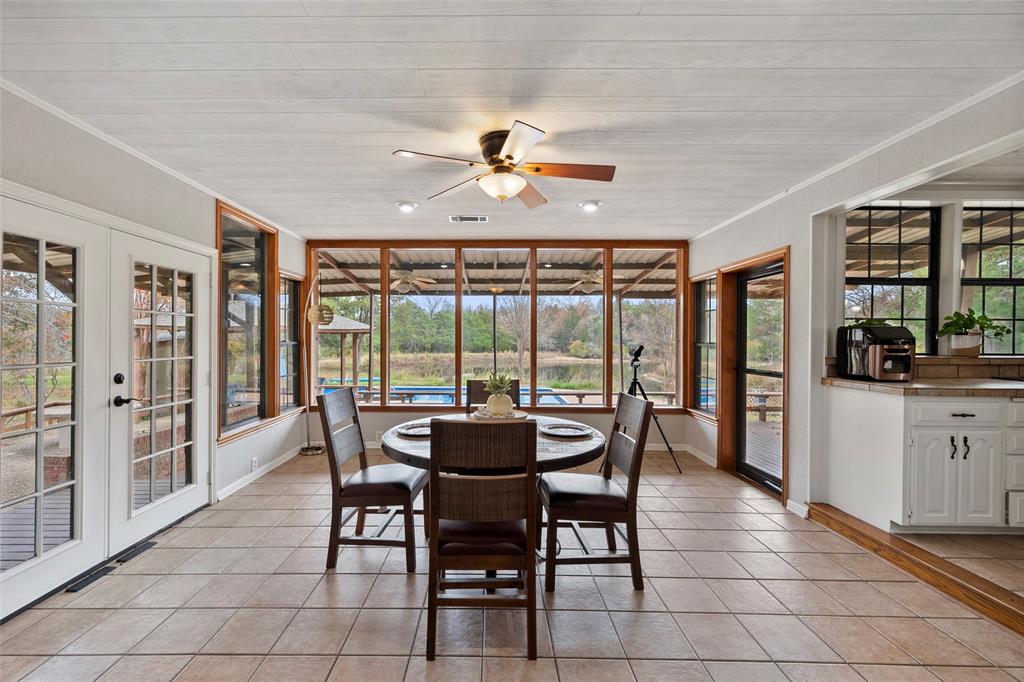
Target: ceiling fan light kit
(503,152)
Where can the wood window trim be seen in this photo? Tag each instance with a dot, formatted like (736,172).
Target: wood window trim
(727,279)
(689,357)
(606,246)
(302,293)
(272,275)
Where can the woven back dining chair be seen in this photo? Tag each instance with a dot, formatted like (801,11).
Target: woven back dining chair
(482,514)
(379,489)
(476,395)
(599,501)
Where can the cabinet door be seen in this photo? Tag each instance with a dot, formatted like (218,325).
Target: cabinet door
(933,486)
(980,477)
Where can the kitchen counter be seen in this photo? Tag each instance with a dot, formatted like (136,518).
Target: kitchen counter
(946,388)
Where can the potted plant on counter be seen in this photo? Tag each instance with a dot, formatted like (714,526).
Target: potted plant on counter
(967,332)
(499,403)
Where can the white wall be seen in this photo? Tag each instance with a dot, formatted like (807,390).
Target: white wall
(983,126)
(45,152)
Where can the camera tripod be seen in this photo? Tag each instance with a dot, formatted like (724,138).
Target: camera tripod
(635,386)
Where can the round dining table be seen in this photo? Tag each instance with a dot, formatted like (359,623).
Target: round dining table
(554,453)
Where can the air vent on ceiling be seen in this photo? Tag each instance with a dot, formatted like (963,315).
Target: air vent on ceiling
(467,219)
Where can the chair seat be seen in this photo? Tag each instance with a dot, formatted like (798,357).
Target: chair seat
(582,491)
(461,538)
(384,479)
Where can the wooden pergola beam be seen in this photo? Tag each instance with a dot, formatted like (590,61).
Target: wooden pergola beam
(648,272)
(333,262)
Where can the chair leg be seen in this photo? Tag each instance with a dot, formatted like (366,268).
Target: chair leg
(332,543)
(540,524)
(426,512)
(431,612)
(634,555)
(531,609)
(410,537)
(609,532)
(360,520)
(549,567)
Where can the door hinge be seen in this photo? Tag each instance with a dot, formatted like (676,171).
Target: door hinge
(209,478)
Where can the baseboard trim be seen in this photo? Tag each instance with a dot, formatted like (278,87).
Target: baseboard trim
(797,508)
(970,589)
(235,486)
(701,455)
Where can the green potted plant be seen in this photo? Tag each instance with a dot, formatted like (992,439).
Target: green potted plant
(968,330)
(499,403)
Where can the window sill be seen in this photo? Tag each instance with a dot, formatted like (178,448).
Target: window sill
(706,417)
(248,429)
(545,409)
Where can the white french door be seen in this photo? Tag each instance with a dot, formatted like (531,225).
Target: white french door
(53,435)
(89,317)
(159,386)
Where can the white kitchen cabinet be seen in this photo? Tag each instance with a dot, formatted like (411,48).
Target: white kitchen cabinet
(1014,472)
(1016,504)
(980,482)
(934,477)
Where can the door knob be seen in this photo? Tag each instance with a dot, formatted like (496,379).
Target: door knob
(120,402)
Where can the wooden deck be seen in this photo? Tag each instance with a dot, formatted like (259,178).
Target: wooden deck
(764,445)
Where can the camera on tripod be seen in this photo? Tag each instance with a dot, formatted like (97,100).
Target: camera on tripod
(635,360)
(636,386)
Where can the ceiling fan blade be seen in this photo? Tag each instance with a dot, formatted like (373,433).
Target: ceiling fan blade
(579,171)
(521,139)
(456,188)
(436,157)
(531,197)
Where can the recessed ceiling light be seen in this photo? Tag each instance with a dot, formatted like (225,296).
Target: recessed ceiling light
(245,265)
(547,265)
(406,206)
(590,205)
(444,266)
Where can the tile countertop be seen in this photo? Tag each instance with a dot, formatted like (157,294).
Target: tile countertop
(947,388)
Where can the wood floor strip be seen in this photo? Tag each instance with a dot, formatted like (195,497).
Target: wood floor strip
(982,595)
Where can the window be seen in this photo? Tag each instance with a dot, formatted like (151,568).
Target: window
(992,272)
(421,326)
(496,315)
(249,347)
(348,347)
(892,269)
(288,338)
(705,360)
(38,362)
(644,312)
(570,326)
(408,325)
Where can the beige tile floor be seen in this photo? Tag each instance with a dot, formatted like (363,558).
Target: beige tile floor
(999,558)
(737,589)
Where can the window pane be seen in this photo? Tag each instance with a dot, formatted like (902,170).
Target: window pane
(421,327)
(58,392)
(856,260)
(915,302)
(705,306)
(20,267)
(18,466)
(243,257)
(60,333)
(858,301)
(162,467)
(142,429)
(885,260)
(17,533)
(19,399)
(570,326)
(183,467)
(19,341)
(995,261)
(289,361)
(348,339)
(60,273)
(644,313)
(999,302)
(914,260)
(496,315)
(183,297)
(164,337)
(141,492)
(58,463)
(143,295)
(886,302)
(57,511)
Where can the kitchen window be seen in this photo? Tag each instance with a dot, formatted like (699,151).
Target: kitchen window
(992,272)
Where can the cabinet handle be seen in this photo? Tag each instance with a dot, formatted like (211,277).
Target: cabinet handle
(967,448)
(952,442)
(963,414)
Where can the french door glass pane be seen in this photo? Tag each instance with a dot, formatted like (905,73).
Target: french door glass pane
(162,360)
(37,396)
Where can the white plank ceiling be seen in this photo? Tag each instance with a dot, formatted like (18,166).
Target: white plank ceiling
(292,109)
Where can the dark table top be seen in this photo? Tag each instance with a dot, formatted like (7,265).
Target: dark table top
(553,454)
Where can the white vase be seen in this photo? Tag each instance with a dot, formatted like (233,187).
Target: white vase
(965,345)
(499,404)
